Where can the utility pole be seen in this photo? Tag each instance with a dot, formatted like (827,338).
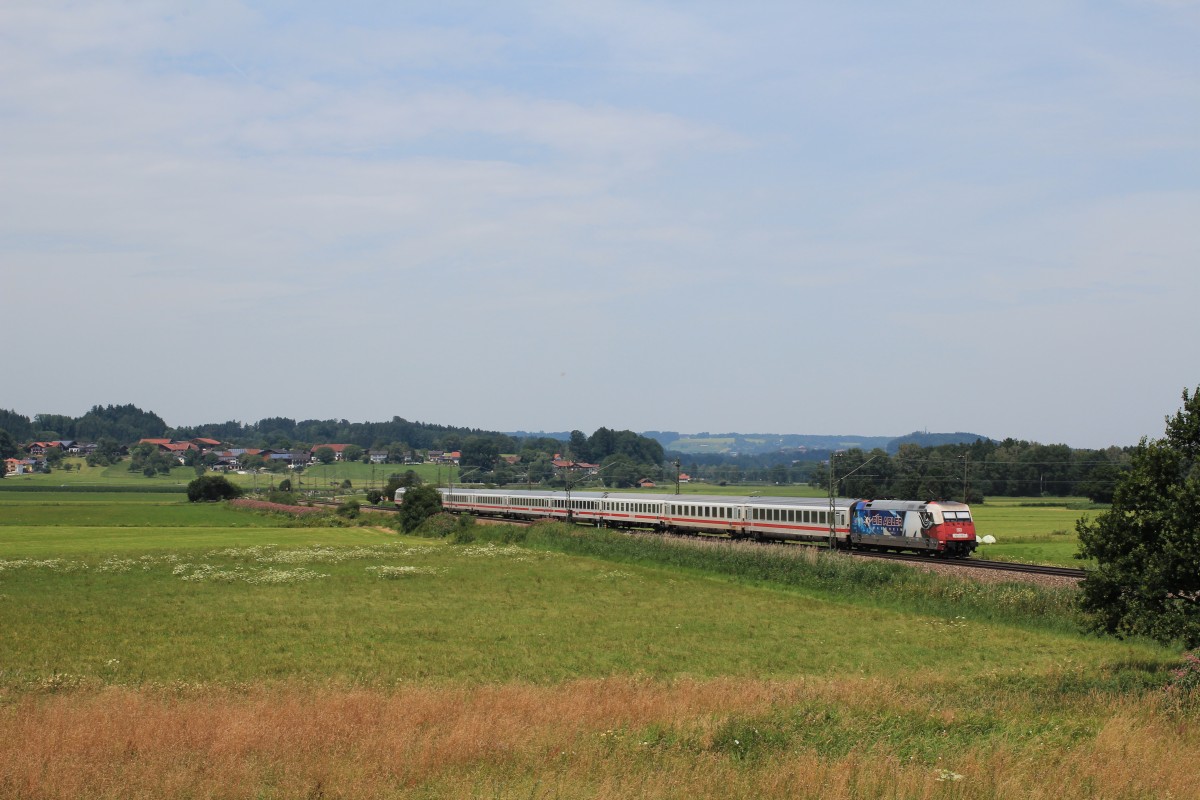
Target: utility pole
(965,463)
(677,476)
(832,510)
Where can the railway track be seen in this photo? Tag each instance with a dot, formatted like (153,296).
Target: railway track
(976,563)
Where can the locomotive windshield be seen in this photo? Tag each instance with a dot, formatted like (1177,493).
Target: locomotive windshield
(957,516)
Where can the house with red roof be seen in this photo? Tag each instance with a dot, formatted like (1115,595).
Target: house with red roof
(17,466)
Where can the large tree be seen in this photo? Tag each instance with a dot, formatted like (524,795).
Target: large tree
(420,503)
(479,454)
(8,445)
(1147,546)
(211,488)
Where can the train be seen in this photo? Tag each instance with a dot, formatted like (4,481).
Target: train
(933,527)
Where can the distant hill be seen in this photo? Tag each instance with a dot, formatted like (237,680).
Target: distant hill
(926,439)
(758,443)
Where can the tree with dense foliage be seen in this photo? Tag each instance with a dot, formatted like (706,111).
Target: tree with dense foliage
(147,459)
(325,455)
(126,423)
(396,481)
(8,445)
(619,472)
(1147,546)
(251,461)
(352,453)
(18,425)
(211,488)
(479,453)
(420,503)
(107,451)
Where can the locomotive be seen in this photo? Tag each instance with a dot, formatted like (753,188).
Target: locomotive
(939,528)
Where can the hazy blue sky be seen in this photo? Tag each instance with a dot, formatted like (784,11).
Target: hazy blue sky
(795,217)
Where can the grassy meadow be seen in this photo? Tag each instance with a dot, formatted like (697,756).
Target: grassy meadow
(1033,530)
(150,647)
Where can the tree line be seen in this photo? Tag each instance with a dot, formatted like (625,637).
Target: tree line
(974,471)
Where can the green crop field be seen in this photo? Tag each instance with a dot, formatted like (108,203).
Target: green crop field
(152,647)
(1032,530)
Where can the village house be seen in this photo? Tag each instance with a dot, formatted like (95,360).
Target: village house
(339,450)
(19,466)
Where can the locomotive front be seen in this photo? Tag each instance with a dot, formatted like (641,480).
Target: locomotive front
(953,528)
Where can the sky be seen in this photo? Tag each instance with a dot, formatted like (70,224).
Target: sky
(791,217)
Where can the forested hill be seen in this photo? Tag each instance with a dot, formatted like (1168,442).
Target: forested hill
(760,443)
(127,424)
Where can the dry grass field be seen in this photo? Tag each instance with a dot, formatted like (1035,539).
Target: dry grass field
(612,738)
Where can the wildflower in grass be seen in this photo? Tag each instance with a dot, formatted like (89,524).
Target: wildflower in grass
(113,564)
(1183,687)
(280,576)
(197,573)
(393,572)
(335,555)
(511,552)
(946,776)
(52,564)
(614,575)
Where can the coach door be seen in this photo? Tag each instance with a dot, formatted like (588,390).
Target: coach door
(738,523)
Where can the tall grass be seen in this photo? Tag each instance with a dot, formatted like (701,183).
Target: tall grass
(613,738)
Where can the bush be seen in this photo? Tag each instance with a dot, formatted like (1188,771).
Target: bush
(374,496)
(349,509)
(210,488)
(439,526)
(419,504)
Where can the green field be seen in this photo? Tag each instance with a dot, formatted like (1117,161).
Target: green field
(219,652)
(1032,530)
